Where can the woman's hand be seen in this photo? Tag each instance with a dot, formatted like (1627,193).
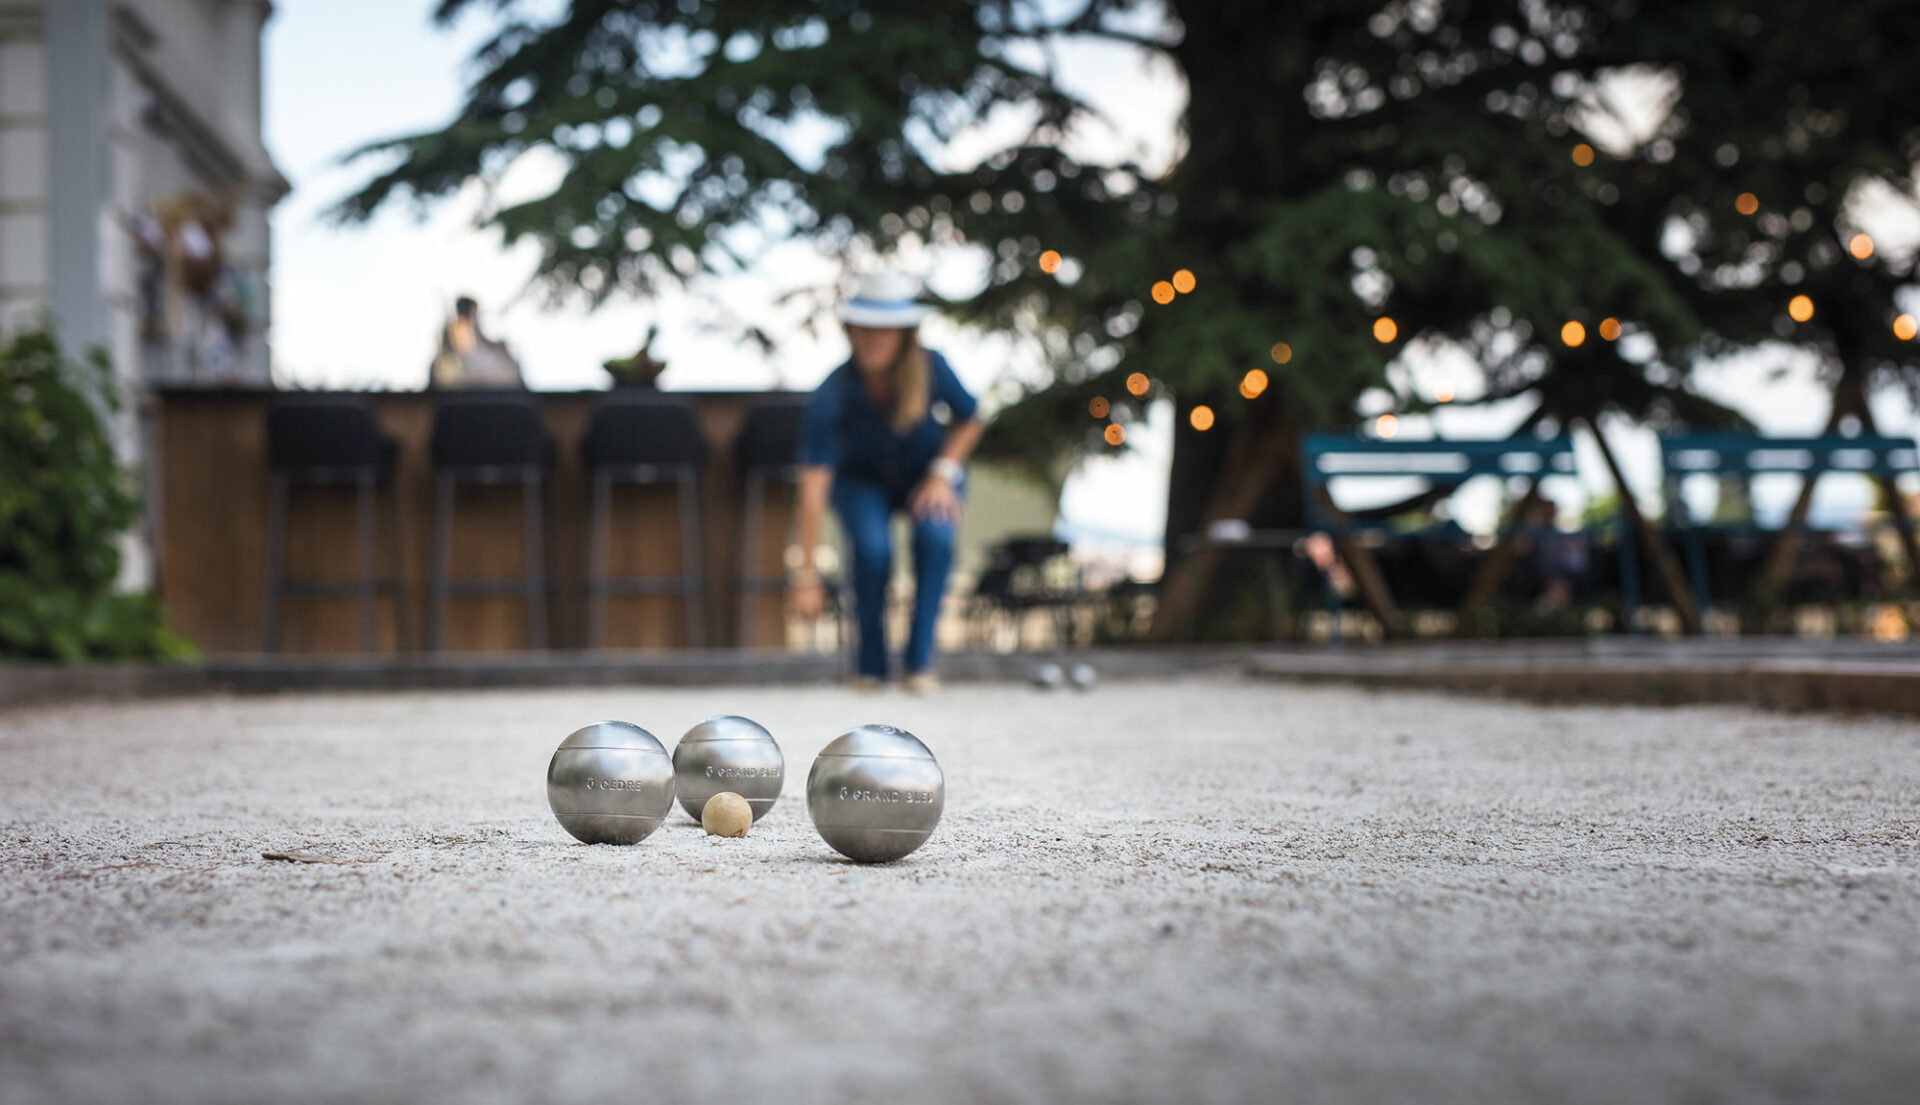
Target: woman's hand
(934,500)
(808,597)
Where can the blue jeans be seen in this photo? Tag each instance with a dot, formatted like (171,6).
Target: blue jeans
(866,511)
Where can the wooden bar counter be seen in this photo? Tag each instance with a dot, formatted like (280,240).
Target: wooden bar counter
(209,518)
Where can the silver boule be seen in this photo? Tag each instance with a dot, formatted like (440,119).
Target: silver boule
(1082,676)
(1049,676)
(728,753)
(610,783)
(875,793)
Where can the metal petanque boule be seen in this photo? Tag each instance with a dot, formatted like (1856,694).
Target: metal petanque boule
(610,783)
(728,753)
(1049,676)
(875,793)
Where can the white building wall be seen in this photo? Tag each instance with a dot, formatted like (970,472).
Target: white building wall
(25,180)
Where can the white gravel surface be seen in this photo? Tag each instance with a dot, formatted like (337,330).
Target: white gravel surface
(1188,891)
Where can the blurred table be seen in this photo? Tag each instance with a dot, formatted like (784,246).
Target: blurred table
(209,517)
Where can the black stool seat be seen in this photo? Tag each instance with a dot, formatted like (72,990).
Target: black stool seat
(331,439)
(490,438)
(644,439)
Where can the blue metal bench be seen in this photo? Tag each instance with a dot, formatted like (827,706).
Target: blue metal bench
(1326,457)
(1448,463)
(1744,456)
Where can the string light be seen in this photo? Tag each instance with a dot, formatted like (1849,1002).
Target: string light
(1384,329)
(1099,406)
(1116,434)
(1253,383)
(1905,327)
(1050,261)
(1137,383)
(1583,155)
(1574,334)
(1860,246)
(1746,203)
(1183,281)
(1281,352)
(1800,308)
(1443,394)
(1162,292)
(1386,425)
(1201,418)
(1610,329)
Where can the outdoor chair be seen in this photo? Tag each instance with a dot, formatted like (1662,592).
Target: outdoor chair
(644,439)
(490,438)
(332,440)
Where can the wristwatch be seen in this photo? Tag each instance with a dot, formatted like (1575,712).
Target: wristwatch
(947,469)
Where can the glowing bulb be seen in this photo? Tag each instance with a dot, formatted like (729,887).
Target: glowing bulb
(1384,329)
(1573,333)
(1162,292)
(1443,394)
(1281,352)
(1099,406)
(1050,261)
(1137,383)
(1610,329)
(1905,327)
(1800,308)
(1116,434)
(1860,246)
(1386,425)
(1201,418)
(1583,155)
(1747,203)
(1253,383)
(1183,281)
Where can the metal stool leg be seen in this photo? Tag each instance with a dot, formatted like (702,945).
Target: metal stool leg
(443,490)
(276,554)
(598,523)
(368,583)
(402,617)
(692,591)
(750,556)
(532,488)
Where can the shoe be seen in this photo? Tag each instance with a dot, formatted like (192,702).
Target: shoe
(923,682)
(865,684)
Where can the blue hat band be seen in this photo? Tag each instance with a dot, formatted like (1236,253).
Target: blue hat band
(883,304)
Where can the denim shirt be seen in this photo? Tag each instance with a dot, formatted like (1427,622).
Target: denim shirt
(846,430)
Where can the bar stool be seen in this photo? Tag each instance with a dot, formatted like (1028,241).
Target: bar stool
(495,438)
(644,439)
(768,451)
(331,440)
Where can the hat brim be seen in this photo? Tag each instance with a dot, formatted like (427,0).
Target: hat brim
(885,317)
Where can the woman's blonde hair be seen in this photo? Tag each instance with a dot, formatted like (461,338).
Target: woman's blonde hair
(912,383)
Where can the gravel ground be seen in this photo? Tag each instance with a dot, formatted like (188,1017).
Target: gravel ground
(1183,890)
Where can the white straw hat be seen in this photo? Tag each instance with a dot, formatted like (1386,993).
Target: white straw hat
(885,300)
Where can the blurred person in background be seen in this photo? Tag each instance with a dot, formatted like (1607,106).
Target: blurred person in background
(888,432)
(468,358)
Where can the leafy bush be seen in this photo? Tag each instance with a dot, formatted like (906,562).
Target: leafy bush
(64,502)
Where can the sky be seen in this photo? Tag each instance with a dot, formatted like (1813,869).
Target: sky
(361,306)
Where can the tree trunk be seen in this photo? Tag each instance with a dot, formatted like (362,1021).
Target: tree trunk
(1656,549)
(1896,505)
(1493,570)
(1259,450)
(1785,551)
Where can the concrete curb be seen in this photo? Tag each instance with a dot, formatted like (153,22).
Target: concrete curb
(24,684)
(1891,687)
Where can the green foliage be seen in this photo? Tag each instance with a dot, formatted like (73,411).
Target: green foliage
(63,504)
(1341,160)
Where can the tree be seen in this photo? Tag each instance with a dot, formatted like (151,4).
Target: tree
(1356,178)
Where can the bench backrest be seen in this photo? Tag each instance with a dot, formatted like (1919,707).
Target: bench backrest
(1329,456)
